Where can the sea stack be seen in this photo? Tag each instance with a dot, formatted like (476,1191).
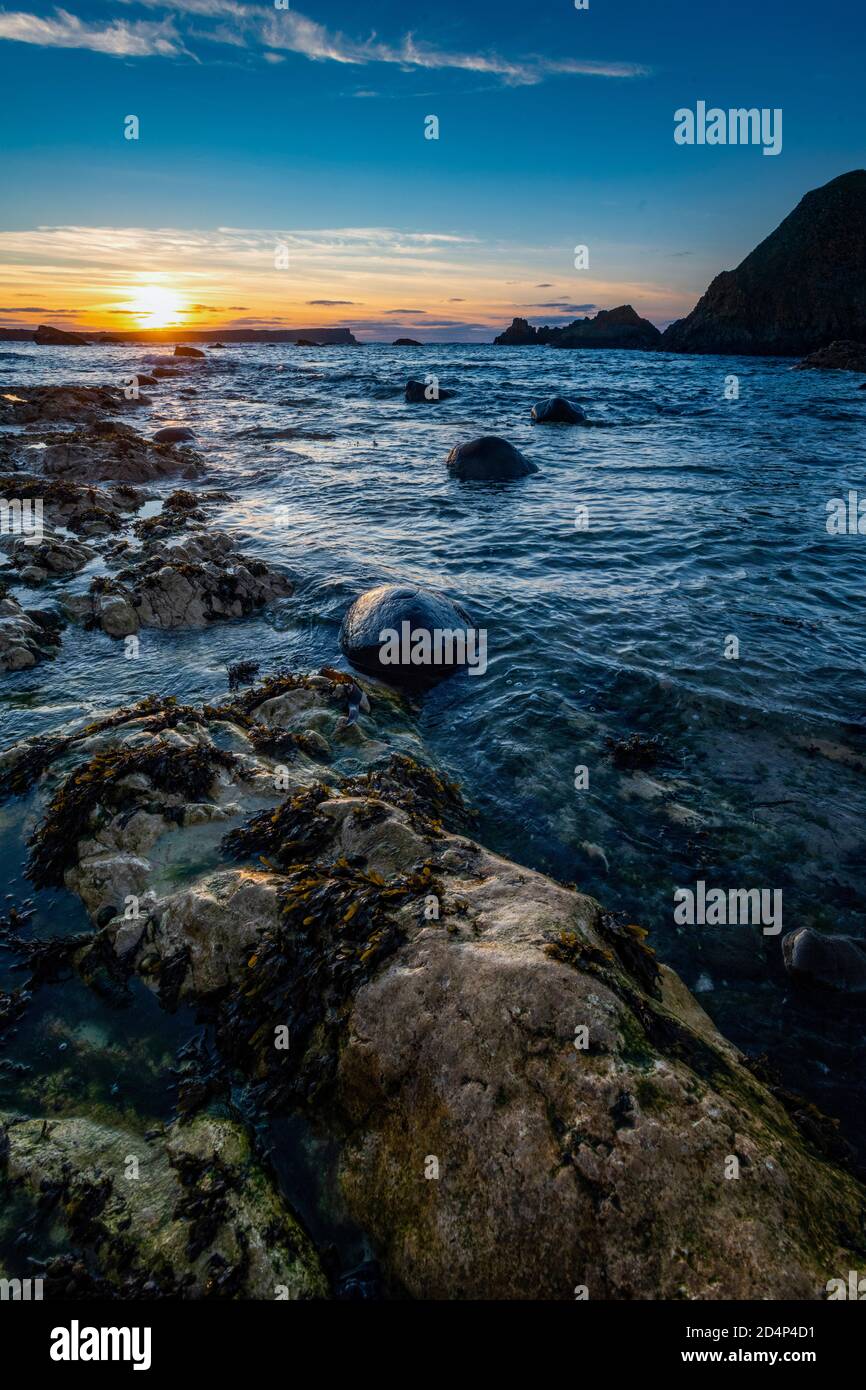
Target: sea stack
(800,290)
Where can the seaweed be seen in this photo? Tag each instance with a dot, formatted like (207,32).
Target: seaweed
(572,949)
(30,761)
(293,832)
(188,771)
(337,927)
(178,510)
(428,799)
(282,743)
(242,673)
(629,942)
(204,1203)
(201,1076)
(281,682)
(37,755)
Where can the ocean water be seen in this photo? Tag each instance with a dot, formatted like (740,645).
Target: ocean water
(706,521)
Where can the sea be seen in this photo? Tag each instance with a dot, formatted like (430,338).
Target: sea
(668,573)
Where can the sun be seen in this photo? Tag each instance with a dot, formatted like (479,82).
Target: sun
(155,306)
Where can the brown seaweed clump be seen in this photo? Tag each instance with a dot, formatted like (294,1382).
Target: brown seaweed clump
(430,801)
(295,831)
(337,926)
(34,757)
(186,771)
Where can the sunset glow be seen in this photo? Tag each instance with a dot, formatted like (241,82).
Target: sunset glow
(156,306)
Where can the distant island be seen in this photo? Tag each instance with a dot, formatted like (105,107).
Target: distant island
(57,337)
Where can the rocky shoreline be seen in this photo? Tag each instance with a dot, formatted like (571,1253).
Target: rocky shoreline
(524,1101)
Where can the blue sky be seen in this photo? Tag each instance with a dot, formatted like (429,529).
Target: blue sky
(307,126)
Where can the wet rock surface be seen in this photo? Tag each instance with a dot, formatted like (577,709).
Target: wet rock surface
(87,510)
(435,993)
(28,405)
(113,453)
(27,636)
(826,960)
(844,356)
(186,1212)
(200,579)
(558,411)
(418,392)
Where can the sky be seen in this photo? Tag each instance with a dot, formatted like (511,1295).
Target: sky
(281,174)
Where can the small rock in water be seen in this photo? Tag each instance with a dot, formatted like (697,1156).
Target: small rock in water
(488,459)
(172,434)
(419,391)
(558,411)
(188,352)
(829,961)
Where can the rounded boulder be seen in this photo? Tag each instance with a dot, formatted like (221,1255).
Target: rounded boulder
(173,434)
(405,635)
(556,410)
(488,459)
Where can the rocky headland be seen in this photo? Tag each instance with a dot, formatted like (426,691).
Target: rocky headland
(801,289)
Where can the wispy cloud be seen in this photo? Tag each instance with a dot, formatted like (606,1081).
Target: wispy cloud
(276,32)
(141,38)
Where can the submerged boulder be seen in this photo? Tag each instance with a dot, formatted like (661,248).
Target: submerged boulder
(488,459)
(404,634)
(558,411)
(826,960)
(181,351)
